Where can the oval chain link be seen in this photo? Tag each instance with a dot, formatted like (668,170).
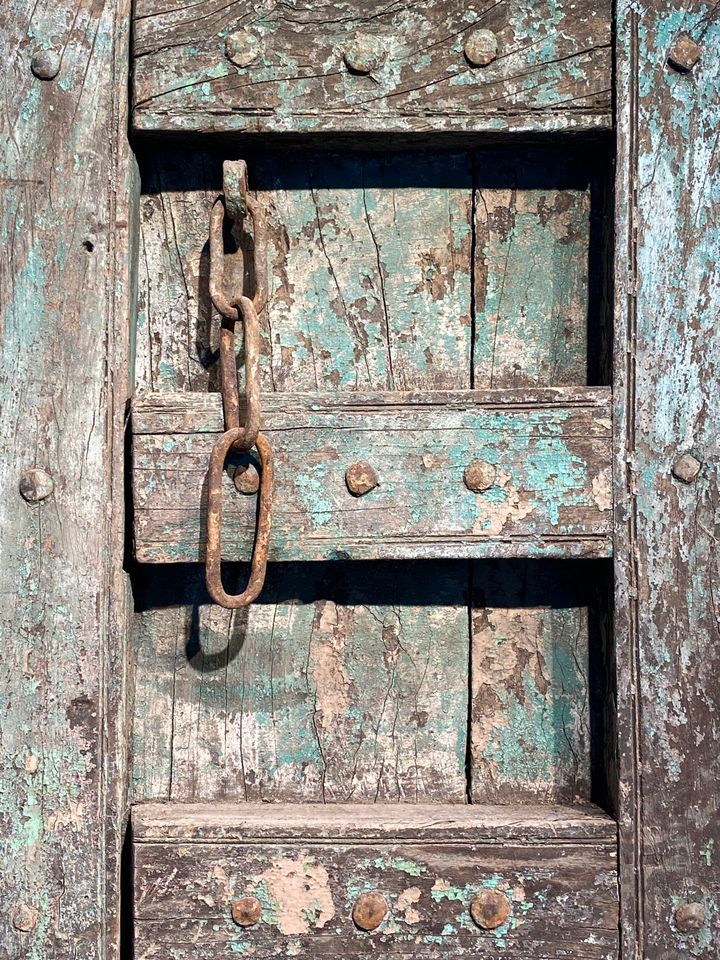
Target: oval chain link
(236,436)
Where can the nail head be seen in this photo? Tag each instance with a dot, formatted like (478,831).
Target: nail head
(479,476)
(24,918)
(364,54)
(690,916)
(480,48)
(361,478)
(686,468)
(490,909)
(369,911)
(242,48)
(246,479)
(246,911)
(45,64)
(36,484)
(684,53)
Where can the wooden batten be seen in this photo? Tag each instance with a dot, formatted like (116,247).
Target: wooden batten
(544,457)
(338,66)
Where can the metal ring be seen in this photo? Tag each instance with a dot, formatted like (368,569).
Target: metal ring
(213,556)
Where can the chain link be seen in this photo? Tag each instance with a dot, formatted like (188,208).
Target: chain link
(232,307)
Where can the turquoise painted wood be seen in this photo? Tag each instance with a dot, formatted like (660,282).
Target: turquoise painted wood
(547,492)
(666,380)
(349,67)
(67,226)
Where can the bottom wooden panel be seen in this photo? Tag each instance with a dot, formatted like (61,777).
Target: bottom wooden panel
(431,881)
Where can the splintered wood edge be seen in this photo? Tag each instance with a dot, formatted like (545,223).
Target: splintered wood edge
(375,823)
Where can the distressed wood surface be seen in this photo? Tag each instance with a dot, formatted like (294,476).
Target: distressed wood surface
(370,270)
(561,885)
(535,705)
(67,224)
(552,70)
(550,454)
(345,223)
(343,682)
(668,364)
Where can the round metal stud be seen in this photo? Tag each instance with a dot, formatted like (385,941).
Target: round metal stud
(490,909)
(242,48)
(480,48)
(689,917)
(45,64)
(479,476)
(35,485)
(361,478)
(246,479)
(246,911)
(364,54)
(369,911)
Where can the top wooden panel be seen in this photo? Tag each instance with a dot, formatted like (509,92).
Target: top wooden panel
(552,70)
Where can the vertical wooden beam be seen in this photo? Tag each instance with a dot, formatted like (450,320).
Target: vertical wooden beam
(667,367)
(66,228)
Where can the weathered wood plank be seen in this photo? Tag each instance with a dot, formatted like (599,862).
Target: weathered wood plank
(344,682)
(66,227)
(488,823)
(532,291)
(561,894)
(533,711)
(550,476)
(552,69)
(667,369)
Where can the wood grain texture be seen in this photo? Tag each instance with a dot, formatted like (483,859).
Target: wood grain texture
(66,222)
(344,682)
(562,889)
(668,362)
(536,702)
(550,453)
(351,228)
(552,71)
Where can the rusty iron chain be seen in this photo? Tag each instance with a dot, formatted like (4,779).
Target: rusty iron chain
(233,306)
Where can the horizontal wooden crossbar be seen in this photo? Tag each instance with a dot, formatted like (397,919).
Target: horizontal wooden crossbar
(546,454)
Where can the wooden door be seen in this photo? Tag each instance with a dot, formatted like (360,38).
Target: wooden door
(428,660)
(446,727)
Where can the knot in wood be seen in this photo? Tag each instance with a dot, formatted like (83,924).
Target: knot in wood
(480,48)
(490,909)
(35,485)
(689,917)
(479,476)
(246,911)
(364,54)
(242,48)
(369,911)
(361,478)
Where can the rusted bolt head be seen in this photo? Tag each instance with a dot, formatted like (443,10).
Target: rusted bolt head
(45,64)
(242,48)
(490,909)
(361,478)
(479,476)
(364,54)
(689,917)
(36,484)
(684,54)
(246,911)
(686,468)
(24,918)
(246,479)
(369,911)
(480,48)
